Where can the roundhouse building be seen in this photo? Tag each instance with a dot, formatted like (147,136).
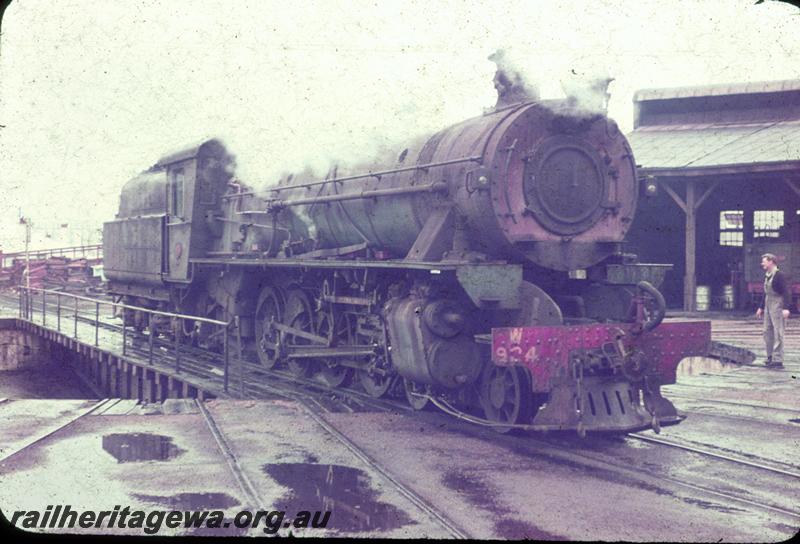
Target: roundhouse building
(722,165)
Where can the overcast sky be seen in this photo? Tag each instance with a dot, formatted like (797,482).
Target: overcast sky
(93,92)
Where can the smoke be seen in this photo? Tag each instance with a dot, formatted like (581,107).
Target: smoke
(523,75)
(587,92)
(361,153)
(291,84)
(346,141)
(511,86)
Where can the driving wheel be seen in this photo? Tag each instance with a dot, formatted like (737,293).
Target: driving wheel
(299,317)
(336,328)
(269,310)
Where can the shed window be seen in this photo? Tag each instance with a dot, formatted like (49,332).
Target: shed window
(731,228)
(767,223)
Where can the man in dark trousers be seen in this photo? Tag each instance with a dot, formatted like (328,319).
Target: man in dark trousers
(774,308)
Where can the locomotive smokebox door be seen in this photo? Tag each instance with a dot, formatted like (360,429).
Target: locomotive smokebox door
(565,185)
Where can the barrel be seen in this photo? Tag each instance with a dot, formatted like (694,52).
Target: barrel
(728,298)
(702,298)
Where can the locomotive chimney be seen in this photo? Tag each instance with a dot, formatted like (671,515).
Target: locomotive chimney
(509,83)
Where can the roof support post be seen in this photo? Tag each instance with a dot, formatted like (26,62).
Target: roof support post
(690,275)
(690,207)
(678,200)
(706,194)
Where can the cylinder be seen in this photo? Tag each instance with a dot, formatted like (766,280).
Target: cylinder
(702,298)
(728,297)
(442,354)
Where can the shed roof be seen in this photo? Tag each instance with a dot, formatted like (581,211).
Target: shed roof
(707,146)
(717,90)
(728,128)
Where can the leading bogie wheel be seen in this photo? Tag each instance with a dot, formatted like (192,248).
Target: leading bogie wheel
(416,394)
(377,380)
(506,395)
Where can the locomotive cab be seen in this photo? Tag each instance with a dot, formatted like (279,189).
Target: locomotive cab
(163,220)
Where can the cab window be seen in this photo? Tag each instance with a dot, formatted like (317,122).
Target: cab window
(176,193)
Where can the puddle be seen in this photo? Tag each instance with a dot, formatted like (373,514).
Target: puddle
(474,490)
(650,487)
(132,447)
(514,529)
(480,494)
(695,366)
(705,505)
(795,420)
(783,528)
(191,501)
(345,491)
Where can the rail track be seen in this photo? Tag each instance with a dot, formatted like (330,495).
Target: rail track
(255,381)
(741,496)
(708,453)
(788,411)
(793,416)
(543,446)
(315,409)
(36,438)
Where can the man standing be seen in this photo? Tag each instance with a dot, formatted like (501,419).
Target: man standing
(774,308)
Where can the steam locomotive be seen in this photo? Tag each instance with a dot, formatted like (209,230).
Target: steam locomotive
(483,270)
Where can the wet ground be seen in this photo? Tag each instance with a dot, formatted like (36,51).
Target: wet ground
(172,462)
(498,491)
(489,486)
(748,409)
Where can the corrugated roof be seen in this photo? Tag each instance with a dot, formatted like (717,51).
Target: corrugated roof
(701,146)
(717,90)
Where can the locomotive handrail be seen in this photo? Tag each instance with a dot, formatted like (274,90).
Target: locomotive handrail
(476,158)
(661,305)
(127,306)
(230,329)
(438,186)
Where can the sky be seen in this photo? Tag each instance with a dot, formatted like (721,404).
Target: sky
(91,93)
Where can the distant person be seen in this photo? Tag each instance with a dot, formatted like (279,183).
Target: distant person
(774,308)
